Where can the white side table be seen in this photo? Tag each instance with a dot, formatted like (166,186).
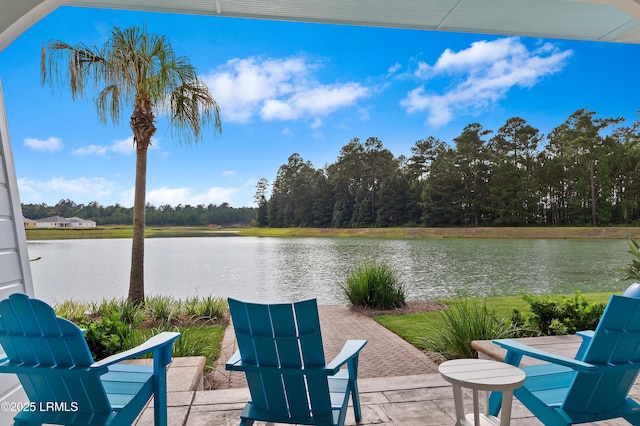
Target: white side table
(486,375)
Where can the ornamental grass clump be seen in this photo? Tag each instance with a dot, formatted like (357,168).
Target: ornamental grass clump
(163,309)
(203,308)
(375,285)
(465,321)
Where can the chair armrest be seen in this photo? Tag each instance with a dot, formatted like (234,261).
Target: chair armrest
(159,341)
(350,350)
(522,349)
(234,362)
(586,336)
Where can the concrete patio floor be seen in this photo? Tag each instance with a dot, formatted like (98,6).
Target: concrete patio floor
(403,400)
(419,400)
(413,394)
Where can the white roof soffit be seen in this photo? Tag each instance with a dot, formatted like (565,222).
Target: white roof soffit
(596,20)
(16,16)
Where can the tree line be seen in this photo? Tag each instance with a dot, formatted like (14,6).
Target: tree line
(166,215)
(585,174)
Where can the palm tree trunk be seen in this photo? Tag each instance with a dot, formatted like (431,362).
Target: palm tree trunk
(592,179)
(136,279)
(143,128)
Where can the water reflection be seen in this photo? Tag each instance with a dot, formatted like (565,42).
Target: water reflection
(279,269)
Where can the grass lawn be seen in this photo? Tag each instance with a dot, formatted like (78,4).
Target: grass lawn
(418,329)
(126,232)
(194,341)
(462,232)
(394,233)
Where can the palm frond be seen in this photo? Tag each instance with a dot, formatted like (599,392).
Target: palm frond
(108,102)
(632,270)
(82,63)
(191,107)
(131,67)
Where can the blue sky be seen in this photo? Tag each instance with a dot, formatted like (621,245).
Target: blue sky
(293,87)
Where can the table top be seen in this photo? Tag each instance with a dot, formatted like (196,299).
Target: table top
(482,374)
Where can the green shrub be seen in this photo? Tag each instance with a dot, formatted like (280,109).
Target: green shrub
(105,336)
(375,285)
(553,317)
(465,321)
(112,326)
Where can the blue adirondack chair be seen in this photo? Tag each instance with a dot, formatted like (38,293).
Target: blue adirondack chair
(280,351)
(63,383)
(595,384)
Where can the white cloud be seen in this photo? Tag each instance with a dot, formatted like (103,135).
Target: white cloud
(277,109)
(364,114)
(228,173)
(423,70)
(58,188)
(123,146)
(126,147)
(127,197)
(120,146)
(317,123)
(393,68)
(481,76)
(323,100)
(277,89)
(287,132)
(184,196)
(90,150)
(479,54)
(51,144)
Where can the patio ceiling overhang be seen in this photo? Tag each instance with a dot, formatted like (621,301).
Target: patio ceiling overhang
(595,20)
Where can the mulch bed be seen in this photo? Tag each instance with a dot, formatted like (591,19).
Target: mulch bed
(414,307)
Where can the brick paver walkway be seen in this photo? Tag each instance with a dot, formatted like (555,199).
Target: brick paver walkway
(386,354)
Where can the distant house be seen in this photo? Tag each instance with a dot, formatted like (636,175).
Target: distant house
(76,222)
(61,222)
(29,223)
(52,222)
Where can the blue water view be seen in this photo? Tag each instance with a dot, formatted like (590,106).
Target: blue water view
(285,269)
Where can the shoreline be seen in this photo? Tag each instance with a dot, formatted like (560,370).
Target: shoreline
(388,233)
(461,232)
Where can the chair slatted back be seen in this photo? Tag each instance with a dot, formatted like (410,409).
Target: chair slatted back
(47,349)
(615,347)
(285,342)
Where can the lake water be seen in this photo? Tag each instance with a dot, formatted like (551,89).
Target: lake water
(285,269)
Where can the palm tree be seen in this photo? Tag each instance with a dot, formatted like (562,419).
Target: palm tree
(140,70)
